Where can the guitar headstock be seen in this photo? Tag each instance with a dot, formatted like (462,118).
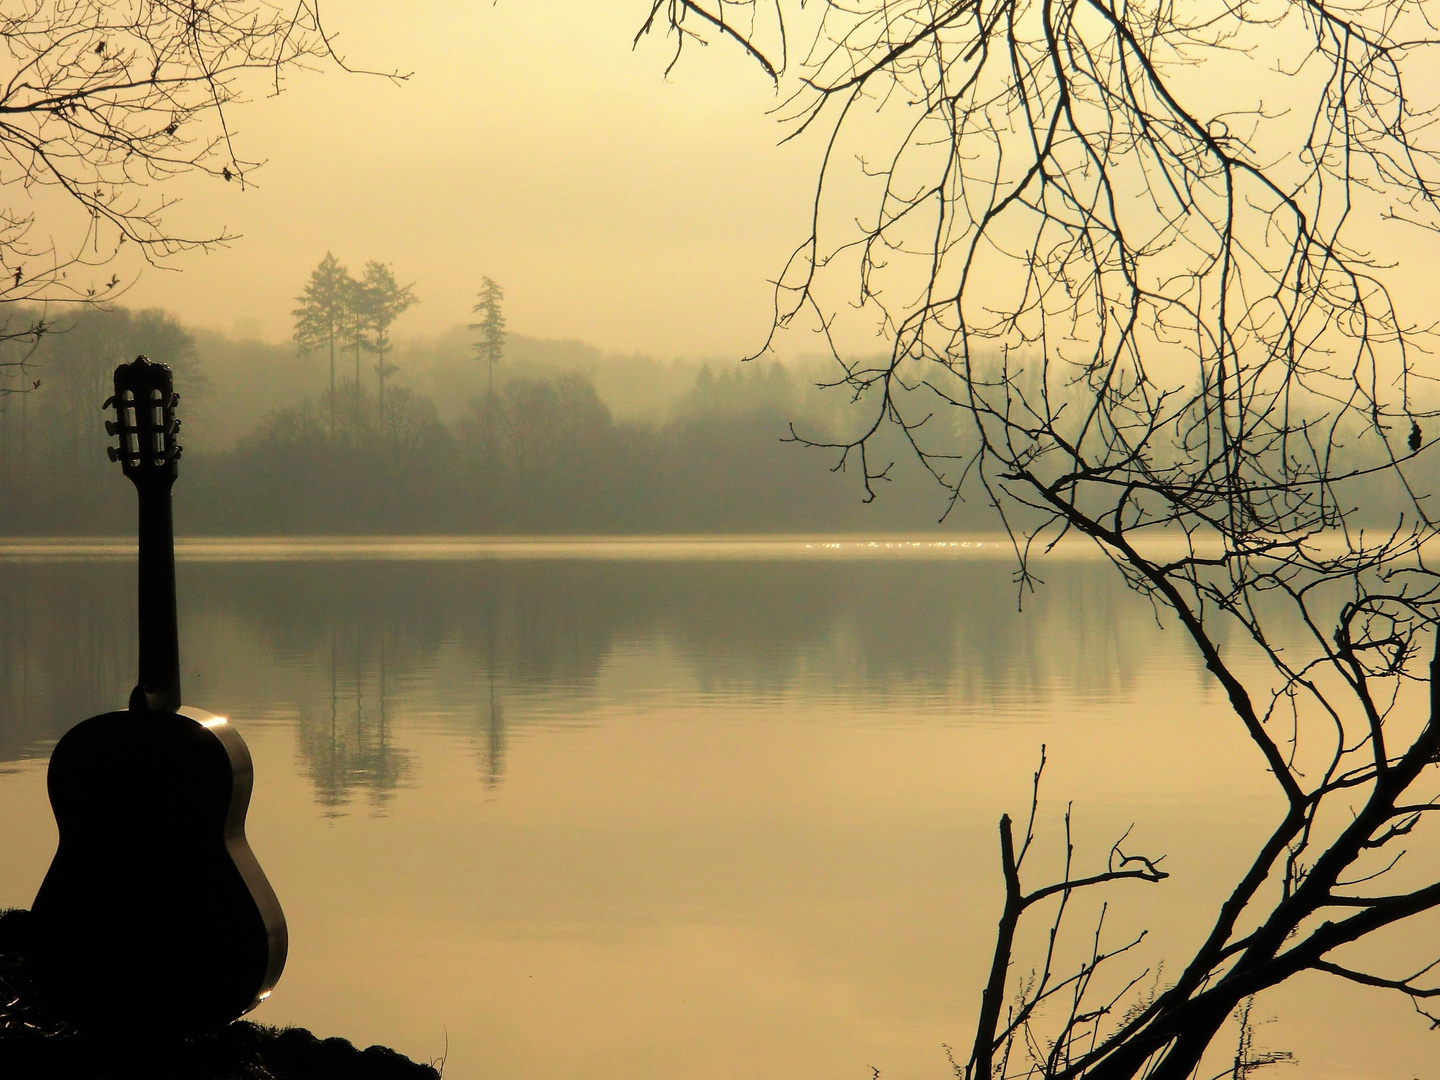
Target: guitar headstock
(144,401)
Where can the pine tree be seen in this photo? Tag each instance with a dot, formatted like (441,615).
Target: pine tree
(324,309)
(491,346)
(355,336)
(381,302)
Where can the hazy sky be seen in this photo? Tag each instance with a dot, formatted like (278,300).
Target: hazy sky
(534,145)
(531,144)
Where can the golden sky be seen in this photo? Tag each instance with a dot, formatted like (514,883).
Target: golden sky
(531,144)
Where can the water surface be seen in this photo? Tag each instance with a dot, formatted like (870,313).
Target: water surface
(705,807)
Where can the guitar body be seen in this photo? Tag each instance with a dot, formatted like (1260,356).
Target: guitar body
(154,900)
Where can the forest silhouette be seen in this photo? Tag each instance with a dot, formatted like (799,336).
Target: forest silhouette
(568,441)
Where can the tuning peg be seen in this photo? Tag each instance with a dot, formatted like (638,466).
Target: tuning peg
(109,427)
(108,402)
(178,451)
(174,400)
(174,426)
(114,453)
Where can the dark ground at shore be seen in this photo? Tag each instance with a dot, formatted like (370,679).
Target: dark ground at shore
(36,1044)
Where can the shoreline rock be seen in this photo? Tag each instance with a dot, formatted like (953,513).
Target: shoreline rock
(35,1044)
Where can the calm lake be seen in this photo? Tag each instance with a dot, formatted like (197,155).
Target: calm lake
(701,809)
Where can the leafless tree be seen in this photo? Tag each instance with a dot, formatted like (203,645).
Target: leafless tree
(101,102)
(1133,244)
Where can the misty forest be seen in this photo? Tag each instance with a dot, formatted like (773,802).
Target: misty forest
(734,537)
(464,431)
(451,433)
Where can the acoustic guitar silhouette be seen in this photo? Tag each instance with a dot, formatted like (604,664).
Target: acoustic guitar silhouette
(154,904)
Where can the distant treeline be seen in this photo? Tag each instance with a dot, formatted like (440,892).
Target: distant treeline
(269,451)
(568,441)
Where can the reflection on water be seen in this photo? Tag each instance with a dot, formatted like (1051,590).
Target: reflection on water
(352,748)
(337,647)
(639,809)
(67,646)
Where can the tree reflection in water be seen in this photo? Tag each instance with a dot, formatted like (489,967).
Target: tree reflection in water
(493,754)
(67,650)
(350,653)
(352,749)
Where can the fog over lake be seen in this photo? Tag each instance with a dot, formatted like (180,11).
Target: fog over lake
(706,808)
(745,539)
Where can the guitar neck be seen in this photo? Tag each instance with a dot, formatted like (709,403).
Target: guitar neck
(145,423)
(159,624)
